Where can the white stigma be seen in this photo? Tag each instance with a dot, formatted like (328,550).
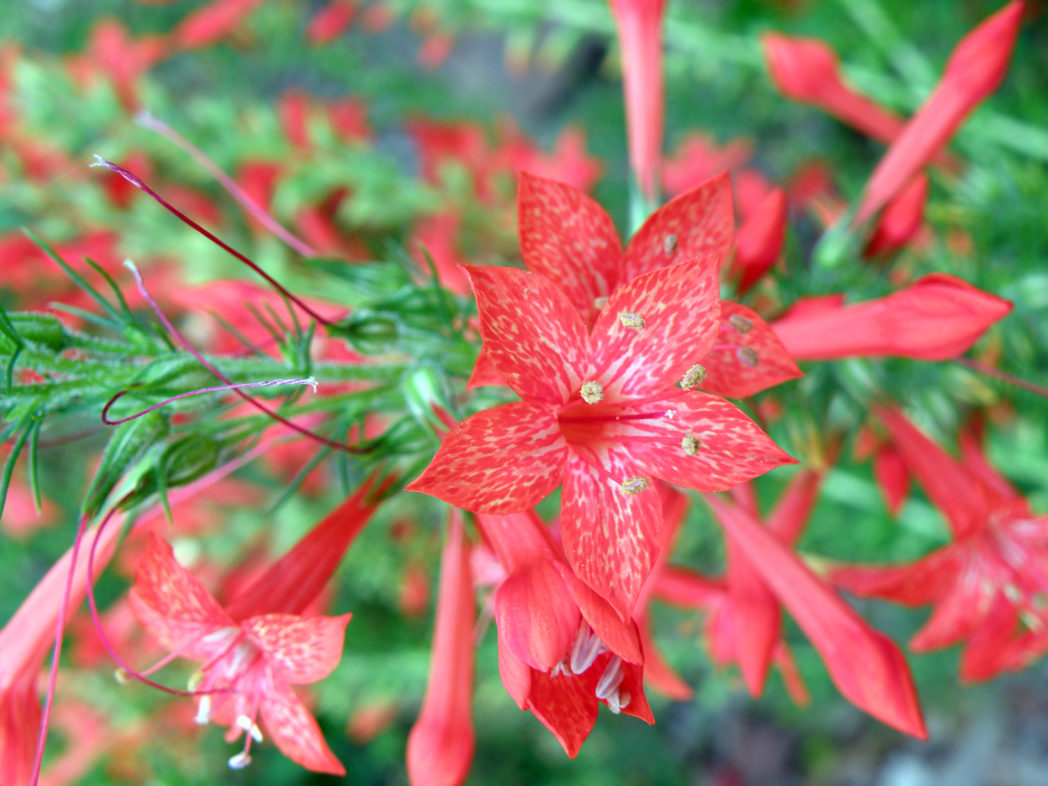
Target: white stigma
(203,716)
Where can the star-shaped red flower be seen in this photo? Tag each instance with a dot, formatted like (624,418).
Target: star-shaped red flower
(608,396)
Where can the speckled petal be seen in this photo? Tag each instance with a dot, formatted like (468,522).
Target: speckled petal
(747,356)
(501,460)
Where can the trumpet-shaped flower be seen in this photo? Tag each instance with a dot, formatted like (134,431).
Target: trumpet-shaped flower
(974,71)
(989,586)
(563,649)
(935,318)
(605,409)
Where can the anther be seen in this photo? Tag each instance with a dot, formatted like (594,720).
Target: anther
(690,444)
(240,761)
(610,680)
(747,356)
(618,700)
(1012,593)
(600,302)
(631,320)
(121,675)
(693,377)
(669,245)
(740,323)
(245,723)
(633,486)
(584,649)
(203,716)
(592,392)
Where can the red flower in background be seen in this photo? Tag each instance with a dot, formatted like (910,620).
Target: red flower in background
(602,411)
(639,25)
(864,664)
(989,586)
(935,318)
(974,71)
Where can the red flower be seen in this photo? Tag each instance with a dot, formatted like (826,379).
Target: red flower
(935,318)
(975,69)
(865,665)
(562,648)
(639,24)
(989,586)
(806,70)
(602,411)
(213,22)
(330,21)
(901,219)
(440,746)
(260,645)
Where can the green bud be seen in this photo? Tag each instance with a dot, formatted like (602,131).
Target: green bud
(125,448)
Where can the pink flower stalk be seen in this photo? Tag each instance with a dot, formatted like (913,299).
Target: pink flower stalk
(259,645)
(935,318)
(974,71)
(806,70)
(989,585)
(639,25)
(865,665)
(558,639)
(440,745)
(901,219)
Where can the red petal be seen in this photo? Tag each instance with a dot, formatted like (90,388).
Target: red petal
(974,460)
(759,240)
(730,447)
(633,684)
(975,69)
(916,584)
(568,238)
(610,538)
(758,621)
(300,650)
(680,306)
(657,672)
(566,705)
(687,588)
(173,604)
(330,21)
(295,732)
(900,220)
(949,486)
(536,616)
(484,372)
(726,372)
(212,22)
(501,460)
(892,477)
(794,506)
(936,318)
(620,636)
(532,332)
(698,223)
(956,616)
(805,69)
(866,666)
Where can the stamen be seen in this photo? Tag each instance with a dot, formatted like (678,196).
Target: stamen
(669,245)
(631,320)
(1012,593)
(632,486)
(618,701)
(592,392)
(740,323)
(203,716)
(600,302)
(248,725)
(240,761)
(611,678)
(121,676)
(747,356)
(690,444)
(693,377)
(585,649)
